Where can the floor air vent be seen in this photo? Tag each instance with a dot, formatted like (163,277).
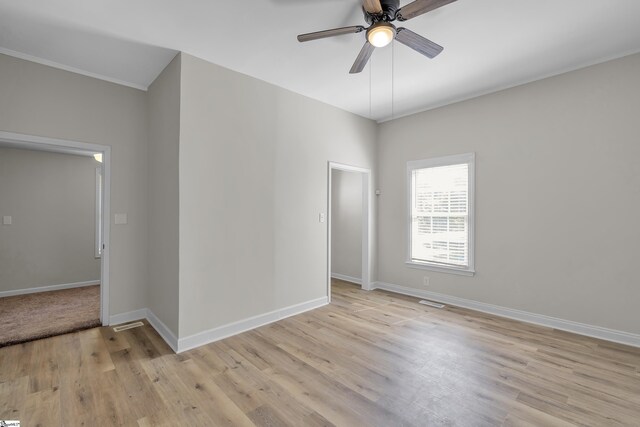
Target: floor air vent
(126,326)
(432,304)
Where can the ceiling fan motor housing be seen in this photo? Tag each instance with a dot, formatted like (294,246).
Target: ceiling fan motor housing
(389,10)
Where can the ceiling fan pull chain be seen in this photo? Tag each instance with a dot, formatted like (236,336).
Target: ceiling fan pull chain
(370,67)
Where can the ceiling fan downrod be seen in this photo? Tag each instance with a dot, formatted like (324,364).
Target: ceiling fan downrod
(388,14)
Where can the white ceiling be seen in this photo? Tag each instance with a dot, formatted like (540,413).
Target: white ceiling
(489,45)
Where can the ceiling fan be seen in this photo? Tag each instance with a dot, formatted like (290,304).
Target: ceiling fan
(380,14)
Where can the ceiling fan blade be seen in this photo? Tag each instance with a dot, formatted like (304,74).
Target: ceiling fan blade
(330,33)
(372,6)
(363,58)
(418,43)
(418,7)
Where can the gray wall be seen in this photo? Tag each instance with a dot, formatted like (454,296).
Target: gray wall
(346,223)
(51,198)
(40,100)
(253,179)
(164,135)
(558,194)
(557,188)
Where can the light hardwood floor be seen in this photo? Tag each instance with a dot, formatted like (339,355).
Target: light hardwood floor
(373,358)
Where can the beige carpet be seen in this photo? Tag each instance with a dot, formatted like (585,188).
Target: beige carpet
(45,314)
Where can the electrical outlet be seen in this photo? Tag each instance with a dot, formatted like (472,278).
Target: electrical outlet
(425,281)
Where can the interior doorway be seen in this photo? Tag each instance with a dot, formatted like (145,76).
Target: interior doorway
(99,179)
(355,246)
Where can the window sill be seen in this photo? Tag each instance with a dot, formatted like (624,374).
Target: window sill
(439,268)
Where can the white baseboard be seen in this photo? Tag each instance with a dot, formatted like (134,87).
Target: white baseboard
(145,313)
(355,280)
(162,329)
(524,316)
(48,288)
(221,332)
(215,334)
(118,319)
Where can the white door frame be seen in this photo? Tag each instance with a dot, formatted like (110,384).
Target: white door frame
(73,147)
(367,223)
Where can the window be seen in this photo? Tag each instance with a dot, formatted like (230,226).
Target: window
(441,193)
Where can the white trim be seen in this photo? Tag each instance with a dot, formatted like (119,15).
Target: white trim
(167,335)
(59,66)
(118,319)
(367,223)
(98,214)
(435,162)
(348,168)
(500,88)
(356,280)
(144,313)
(225,331)
(48,288)
(621,337)
(33,142)
(434,267)
(470,160)
(105,257)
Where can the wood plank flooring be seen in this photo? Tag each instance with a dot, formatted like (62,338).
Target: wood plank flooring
(367,359)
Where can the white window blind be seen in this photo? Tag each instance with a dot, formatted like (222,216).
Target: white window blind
(440,226)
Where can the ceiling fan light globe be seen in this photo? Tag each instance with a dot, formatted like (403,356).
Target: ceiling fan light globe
(381,35)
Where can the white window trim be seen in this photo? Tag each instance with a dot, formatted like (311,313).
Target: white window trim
(470,159)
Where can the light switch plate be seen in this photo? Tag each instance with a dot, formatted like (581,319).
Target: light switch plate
(7,220)
(120,218)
